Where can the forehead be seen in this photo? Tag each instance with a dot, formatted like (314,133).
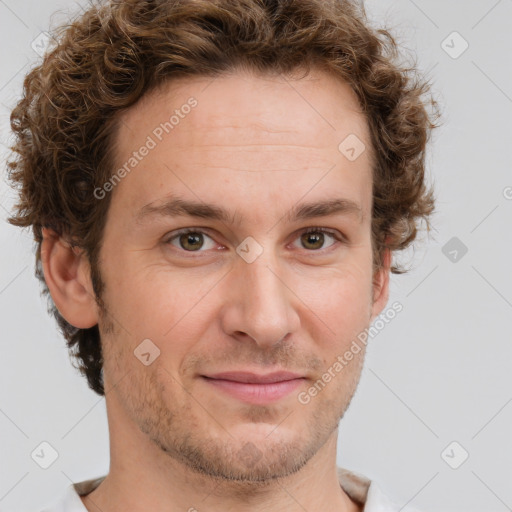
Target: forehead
(253,129)
(266,108)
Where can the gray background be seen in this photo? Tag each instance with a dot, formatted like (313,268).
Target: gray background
(438,373)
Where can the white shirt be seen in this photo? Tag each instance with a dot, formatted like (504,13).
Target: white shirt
(358,487)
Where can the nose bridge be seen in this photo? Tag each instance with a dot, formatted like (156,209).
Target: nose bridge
(262,300)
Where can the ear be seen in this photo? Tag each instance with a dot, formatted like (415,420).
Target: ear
(381,285)
(67,275)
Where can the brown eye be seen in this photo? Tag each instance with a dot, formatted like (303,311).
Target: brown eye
(314,239)
(191,240)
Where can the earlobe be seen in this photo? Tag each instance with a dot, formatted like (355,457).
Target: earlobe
(381,285)
(67,275)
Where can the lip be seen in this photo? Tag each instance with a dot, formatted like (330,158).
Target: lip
(255,378)
(255,388)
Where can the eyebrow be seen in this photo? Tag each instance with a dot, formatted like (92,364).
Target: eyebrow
(176,207)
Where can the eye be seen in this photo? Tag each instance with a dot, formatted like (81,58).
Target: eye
(195,239)
(314,238)
(191,240)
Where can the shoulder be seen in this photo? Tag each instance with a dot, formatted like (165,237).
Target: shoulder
(366,492)
(69,500)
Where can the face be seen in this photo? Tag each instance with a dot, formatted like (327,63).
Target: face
(213,251)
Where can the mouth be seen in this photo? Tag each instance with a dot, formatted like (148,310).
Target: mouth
(255,388)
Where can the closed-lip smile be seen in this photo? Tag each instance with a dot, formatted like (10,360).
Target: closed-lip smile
(253,387)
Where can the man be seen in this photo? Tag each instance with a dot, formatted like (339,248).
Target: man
(216,189)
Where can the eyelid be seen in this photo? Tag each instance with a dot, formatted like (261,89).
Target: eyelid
(184,231)
(335,234)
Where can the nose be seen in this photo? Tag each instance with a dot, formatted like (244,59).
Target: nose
(260,304)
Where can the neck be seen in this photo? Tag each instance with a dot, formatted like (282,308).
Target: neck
(143,477)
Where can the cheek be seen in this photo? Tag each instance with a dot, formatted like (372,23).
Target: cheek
(146,297)
(168,308)
(338,307)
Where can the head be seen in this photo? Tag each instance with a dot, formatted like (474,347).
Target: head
(249,109)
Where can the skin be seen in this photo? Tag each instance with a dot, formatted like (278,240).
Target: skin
(257,146)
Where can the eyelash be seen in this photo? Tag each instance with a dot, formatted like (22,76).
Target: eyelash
(335,235)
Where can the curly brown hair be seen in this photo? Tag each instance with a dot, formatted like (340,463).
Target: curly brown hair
(117,51)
